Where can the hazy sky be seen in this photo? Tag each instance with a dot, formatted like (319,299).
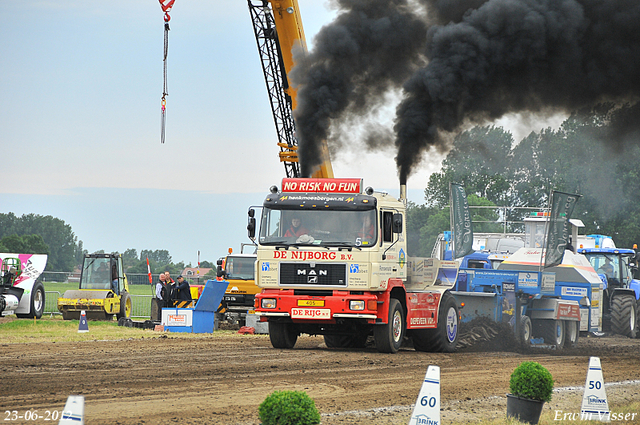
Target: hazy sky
(81,83)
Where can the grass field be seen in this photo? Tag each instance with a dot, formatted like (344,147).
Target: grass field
(54,329)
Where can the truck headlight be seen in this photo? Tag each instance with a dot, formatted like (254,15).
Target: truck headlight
(356,305)
(268,303)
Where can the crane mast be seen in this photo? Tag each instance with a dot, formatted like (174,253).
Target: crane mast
(277,26)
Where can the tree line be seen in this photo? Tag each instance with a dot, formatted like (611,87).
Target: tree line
(595,153)
(37,234)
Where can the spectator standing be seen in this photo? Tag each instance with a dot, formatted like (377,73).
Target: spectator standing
(183,289)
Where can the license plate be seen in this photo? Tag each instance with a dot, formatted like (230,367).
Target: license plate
(310,313)
(310,303)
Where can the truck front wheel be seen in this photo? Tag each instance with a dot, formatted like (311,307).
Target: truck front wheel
(282,335)
(388,337)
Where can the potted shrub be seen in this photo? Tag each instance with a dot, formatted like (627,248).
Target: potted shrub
(288,408)
(531,386)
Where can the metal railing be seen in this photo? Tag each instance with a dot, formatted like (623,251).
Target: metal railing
(51,302)
(140,304)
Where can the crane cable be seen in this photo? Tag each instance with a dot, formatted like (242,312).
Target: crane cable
(166,6)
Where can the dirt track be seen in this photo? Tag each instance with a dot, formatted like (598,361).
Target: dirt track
(222,378)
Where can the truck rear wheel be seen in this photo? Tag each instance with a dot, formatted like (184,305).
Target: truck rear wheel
(388,337)
(37,303)
(623,315)
(282,335)
(553,332)
(445,337)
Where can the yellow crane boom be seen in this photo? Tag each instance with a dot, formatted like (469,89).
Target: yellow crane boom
(278,29)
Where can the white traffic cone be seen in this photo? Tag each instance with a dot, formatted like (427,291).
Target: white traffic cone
(594,401)
(427,409)
(84,325)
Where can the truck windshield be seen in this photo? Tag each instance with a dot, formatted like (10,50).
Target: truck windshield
(239,267)
(319,227)
(97,274)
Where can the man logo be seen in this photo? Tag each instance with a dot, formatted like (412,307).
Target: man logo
(265,266)
(313,272)
(312,279)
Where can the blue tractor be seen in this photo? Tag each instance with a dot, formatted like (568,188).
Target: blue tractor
(621,292)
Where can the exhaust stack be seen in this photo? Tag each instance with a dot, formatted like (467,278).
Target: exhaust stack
(403,193)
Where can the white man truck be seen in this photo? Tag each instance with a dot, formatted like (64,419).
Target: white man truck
(342,271)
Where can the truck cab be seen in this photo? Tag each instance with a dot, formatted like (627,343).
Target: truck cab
(238,299)
(332,260)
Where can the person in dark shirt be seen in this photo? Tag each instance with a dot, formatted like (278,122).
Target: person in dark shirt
(183,290)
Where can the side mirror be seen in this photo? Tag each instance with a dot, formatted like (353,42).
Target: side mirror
(251,225)
(397,223)
(251,228)
(219,271)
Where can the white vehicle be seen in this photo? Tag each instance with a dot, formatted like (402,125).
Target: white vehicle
(20,293)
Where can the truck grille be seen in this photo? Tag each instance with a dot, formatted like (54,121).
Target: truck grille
(317,274)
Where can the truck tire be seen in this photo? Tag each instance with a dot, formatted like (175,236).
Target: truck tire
(572,332)
(553,332)
(283,335)
(388,337)
(624,315)
(36,307)
(445,337)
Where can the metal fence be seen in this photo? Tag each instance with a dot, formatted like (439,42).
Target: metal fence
(140,304)
(133,278)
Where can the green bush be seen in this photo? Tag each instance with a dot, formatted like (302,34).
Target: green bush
(531,380)
(289,408)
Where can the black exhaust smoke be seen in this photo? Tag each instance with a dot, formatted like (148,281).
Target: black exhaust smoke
(371,47)
(462,62)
